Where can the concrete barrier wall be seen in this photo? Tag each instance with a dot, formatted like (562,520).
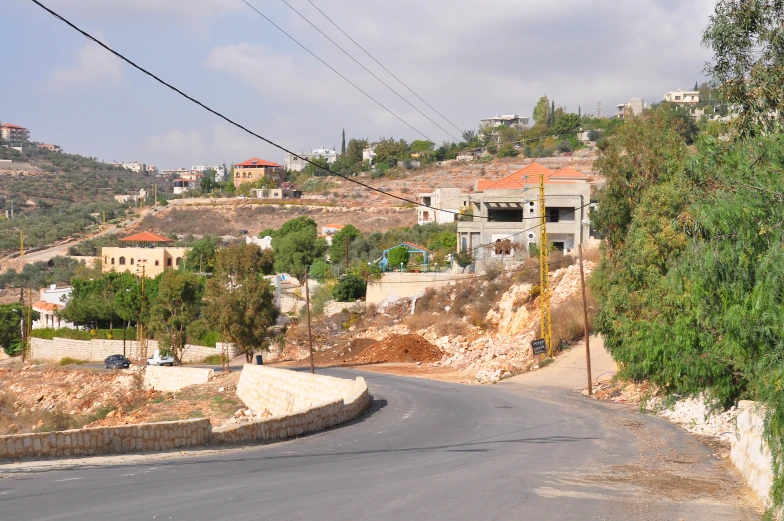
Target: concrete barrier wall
(750,453)
(108,440)
(335,401)
(281,391)
(97,350)
(353,402)
(406,285)
(171,379)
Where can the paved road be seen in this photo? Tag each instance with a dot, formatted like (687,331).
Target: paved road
(426,451)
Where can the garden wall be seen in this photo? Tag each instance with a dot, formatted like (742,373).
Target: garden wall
(750,453)
(97,350)
(171,379)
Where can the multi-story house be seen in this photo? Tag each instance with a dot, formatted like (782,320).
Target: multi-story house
(220,171)
(442,205)
(143,253)
(255,169)
(51,301)
(683,96)
(14,135)
(369,153)
(633,107)
(509,120)
(297,162)
(505,219)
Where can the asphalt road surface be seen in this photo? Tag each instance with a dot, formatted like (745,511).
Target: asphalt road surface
(425,451)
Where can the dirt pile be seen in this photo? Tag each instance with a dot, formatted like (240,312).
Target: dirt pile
(399,348)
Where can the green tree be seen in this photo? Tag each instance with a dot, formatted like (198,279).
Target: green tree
(349,289)
(748,63)
(337,251)
(541,112)
(11,326)
(200,256)
(178,303)
(354,150)
(343,144)
(398,256)
(239,301)
(420,146)
(297,246)
(390,151)
(567,124)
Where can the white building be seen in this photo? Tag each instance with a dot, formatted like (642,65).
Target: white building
(683,96)
(135,166)
(509,120)
(51,301)
(14,135)
(441,206)
(633,107)
(175,172)
(297,162)
(369,153)
(220,171)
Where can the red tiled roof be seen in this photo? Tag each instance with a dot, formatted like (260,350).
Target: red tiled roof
(145,237)
(11,125)
(533,171)
(47,306)
(255,161)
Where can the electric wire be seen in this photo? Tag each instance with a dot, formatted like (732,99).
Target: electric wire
(330,67)
(382,66)
(396,93)
(226,118)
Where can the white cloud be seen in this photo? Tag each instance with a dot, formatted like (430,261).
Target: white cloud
(92,67)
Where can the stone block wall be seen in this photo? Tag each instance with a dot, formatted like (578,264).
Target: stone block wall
(97,350)
(108,440)
(281,391)
(171,379)
(323,416)
(750,453)
(336,401)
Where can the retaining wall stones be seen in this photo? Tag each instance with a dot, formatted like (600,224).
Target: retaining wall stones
(750,453)
(307,403)
(281,391)
(170,379)
(108,440)
(97,350)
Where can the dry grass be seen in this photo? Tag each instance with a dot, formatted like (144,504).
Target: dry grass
(593,254)
(567,319)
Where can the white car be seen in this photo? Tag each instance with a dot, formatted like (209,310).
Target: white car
(157,359)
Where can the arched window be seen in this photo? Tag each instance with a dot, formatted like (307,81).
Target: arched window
(112,261)
(463,244)
(131,260)
(122,261)
(157,263)
(105,259)
(168,261)
(177,262)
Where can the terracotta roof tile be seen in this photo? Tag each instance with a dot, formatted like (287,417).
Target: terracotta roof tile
(145,237)
(255,161)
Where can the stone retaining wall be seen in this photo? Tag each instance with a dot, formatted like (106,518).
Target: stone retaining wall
(750,453)
(352,401)
(97,350)
(281,391)
(108,440)
(326,402)
(171,379)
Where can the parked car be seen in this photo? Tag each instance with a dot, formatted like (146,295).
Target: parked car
(116,362)
(157,359)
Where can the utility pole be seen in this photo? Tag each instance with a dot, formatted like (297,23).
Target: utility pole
(585,304)
(346,255)
(310,334)
(544,273)
(21,245)
(141,330)
(599,110)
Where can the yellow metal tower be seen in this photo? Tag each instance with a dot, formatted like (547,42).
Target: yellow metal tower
(544,275)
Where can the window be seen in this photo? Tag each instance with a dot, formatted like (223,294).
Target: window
(131,261)
(463,243)
(425,216)
(503,247)
(506,215)
(122,261)
(112,261)
(157,263)
(178,261)
(559,214)
(168,262)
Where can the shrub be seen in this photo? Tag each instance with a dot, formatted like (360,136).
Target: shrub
(398,256)
(350,288)
(319,298)
(67,360)
(214,360)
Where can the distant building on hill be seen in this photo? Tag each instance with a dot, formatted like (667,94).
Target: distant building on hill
(509,120)
(255,169)
(143,253)
(220,171)
(51,148)
(297,162)
(633,107)
(14,136)
(683,96)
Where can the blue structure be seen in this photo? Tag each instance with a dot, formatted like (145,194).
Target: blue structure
(412,248)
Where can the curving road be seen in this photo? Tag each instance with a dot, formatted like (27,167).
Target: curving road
(426,451)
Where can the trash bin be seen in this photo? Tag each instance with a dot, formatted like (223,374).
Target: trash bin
(259,361)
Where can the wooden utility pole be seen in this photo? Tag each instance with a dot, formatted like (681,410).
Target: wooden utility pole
(310,334)
(544,273)
(346,255)
(585,315)
(21,245)
(141,330)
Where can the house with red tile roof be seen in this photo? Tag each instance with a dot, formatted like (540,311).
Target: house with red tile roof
(14,135)
(506,213)
(255,169)
(143,253)
(51,301)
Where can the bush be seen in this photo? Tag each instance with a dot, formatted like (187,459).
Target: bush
(67,360)
(350,288)
(214,360)
(398,256)
(319,298)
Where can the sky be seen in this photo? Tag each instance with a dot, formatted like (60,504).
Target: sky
(467,59)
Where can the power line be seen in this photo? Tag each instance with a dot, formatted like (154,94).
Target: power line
(382,66)
(369,71)
(279,28)
(226,118)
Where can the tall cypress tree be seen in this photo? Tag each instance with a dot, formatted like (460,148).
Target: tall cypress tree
(343,145)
